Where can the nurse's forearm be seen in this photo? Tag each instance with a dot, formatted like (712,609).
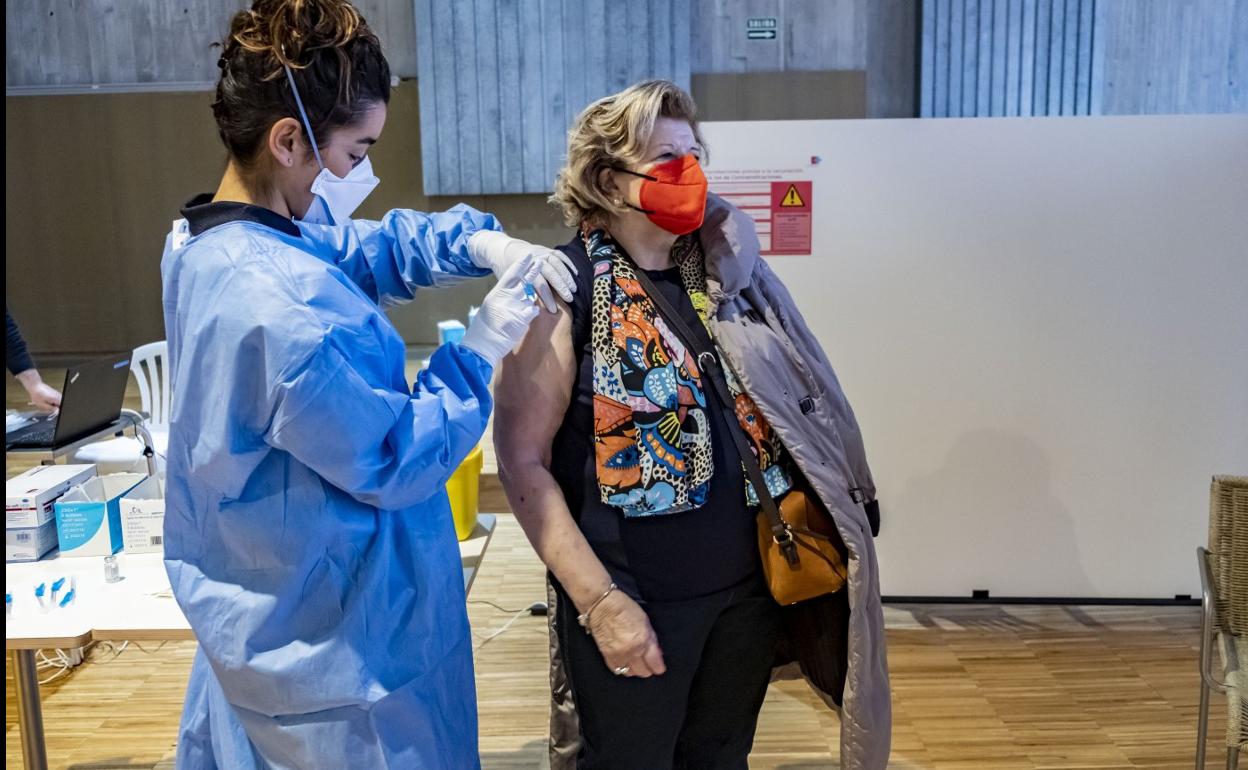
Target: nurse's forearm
(542,511)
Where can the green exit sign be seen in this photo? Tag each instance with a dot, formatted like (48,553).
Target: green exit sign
(761,28)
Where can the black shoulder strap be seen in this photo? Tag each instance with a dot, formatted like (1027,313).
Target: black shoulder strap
(708,363)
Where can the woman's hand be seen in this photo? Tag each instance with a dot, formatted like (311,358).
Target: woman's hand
(43,396)
(625,638)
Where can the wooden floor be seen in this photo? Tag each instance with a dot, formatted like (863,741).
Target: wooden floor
(974,687)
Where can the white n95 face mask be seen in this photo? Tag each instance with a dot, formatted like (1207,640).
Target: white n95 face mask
(334,198)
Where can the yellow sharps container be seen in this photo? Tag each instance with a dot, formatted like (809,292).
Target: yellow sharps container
(463,488)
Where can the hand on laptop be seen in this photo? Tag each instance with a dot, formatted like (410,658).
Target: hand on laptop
(43,396)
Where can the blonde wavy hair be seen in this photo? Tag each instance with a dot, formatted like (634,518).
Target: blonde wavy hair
(614,131)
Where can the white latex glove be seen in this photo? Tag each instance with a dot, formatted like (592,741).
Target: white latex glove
(504,317)
(497,251)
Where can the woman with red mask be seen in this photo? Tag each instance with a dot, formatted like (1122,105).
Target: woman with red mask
(623,462)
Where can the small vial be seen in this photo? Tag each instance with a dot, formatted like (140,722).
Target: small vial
(112,571)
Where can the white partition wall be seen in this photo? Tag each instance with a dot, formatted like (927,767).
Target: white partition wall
(1043,326)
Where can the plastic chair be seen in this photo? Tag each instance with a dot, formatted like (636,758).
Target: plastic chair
(1224,609)
(150,366)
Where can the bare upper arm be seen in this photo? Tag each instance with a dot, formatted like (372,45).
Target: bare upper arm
(532,391)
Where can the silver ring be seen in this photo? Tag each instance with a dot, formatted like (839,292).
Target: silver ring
(622,670)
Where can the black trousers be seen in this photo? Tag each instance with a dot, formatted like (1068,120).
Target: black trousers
(703,712)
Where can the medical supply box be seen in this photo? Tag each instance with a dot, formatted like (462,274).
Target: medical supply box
(28,498)
(88,518)
(30,543)
(143,517)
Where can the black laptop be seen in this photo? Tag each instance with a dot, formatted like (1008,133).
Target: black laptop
(90,402)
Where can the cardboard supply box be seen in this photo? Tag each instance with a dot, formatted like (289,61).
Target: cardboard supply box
(143,517)
(28,497)
(31,543)
(88,518)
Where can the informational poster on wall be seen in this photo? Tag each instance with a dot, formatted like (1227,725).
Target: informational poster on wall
(780,200)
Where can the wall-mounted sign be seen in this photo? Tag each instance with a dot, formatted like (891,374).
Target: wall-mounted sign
(761,28)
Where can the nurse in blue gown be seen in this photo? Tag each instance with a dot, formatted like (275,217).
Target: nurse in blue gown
(308,536)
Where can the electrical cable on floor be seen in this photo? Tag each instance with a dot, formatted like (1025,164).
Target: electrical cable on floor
(117,651)
(497,607)
(143,649)
(61,663)
(536,609)
(107,647)
(494,635)
(59,673)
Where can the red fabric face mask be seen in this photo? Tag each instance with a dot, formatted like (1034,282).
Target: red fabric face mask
(673,195)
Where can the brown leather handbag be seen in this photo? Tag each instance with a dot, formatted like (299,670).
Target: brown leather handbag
(802,551)
(820,565)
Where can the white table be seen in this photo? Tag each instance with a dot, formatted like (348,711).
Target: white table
(139,608)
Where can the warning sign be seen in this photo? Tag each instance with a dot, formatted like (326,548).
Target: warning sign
(778,200)
(790,217)
(792,198)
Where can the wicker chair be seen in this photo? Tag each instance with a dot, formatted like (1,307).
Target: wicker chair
(1224,606)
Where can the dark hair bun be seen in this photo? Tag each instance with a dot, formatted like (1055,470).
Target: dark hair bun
(289,29)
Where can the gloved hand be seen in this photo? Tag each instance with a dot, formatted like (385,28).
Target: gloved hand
(504,316)
(497,251)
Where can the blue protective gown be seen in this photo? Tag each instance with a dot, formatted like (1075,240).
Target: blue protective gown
(308,535)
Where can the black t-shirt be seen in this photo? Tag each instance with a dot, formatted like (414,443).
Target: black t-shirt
(665,557)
